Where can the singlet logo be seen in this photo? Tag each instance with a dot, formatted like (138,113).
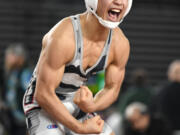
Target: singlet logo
(52,126)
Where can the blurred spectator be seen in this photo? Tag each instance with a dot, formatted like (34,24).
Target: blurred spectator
(139,121)
(17,76)
(168,98)
(139,90)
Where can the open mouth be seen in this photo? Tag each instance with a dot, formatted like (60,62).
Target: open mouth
(114,14)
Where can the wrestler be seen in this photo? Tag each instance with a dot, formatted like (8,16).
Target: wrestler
(57,101)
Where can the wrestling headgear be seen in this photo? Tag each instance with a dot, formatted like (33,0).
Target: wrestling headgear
(92,5)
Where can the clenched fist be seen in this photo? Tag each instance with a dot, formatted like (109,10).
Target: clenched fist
(93,125)
(84,99)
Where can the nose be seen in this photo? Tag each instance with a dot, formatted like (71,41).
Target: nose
(118,2)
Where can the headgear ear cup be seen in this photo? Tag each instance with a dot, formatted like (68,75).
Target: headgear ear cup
(92,5)
(128,8)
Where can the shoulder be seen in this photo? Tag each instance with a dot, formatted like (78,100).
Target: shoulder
(120,41)
(60,40)
(59,32)
(120,46)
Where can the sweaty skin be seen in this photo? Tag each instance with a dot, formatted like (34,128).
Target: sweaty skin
(58,49)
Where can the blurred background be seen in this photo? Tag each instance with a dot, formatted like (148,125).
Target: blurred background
(149,102)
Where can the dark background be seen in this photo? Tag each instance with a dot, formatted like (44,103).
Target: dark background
(152,27)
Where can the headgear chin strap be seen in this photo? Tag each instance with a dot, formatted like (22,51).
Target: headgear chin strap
(92,5)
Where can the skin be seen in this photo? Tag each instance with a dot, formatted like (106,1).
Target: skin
(50,69)
(139,121)
(174,71)
(10,61)
(13,61)
(105,5)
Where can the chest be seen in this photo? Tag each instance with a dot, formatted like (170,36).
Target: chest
(91,53)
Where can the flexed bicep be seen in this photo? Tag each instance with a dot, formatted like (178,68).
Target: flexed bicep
(50,69)
(113,78)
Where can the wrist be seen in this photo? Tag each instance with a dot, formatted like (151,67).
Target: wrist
(80,128)
(93,107)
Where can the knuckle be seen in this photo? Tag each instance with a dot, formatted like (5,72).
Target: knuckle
(82,100)
(75,102)
(74,99)
(87,89)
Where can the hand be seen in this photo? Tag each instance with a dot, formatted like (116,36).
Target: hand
(93,125)
(84,99)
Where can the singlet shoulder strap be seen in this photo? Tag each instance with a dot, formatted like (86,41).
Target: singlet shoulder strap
(79,40)
(107,49)
(77,36)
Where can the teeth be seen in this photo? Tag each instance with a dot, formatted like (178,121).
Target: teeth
(116,10)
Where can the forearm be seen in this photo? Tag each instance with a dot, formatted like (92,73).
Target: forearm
(53,106)
(108,95)
(104,99)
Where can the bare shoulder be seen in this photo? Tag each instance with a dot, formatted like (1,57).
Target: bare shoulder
(121,46)
(60,40)
(62,29)
(120,40)
(60,32)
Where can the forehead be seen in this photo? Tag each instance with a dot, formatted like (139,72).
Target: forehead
(136,115)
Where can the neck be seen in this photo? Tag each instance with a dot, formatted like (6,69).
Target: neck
(92,29)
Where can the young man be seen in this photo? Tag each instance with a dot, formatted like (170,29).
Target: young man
(57,101)
(17,74)
(140,121)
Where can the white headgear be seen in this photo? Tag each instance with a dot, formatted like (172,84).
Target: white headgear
(92,5)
